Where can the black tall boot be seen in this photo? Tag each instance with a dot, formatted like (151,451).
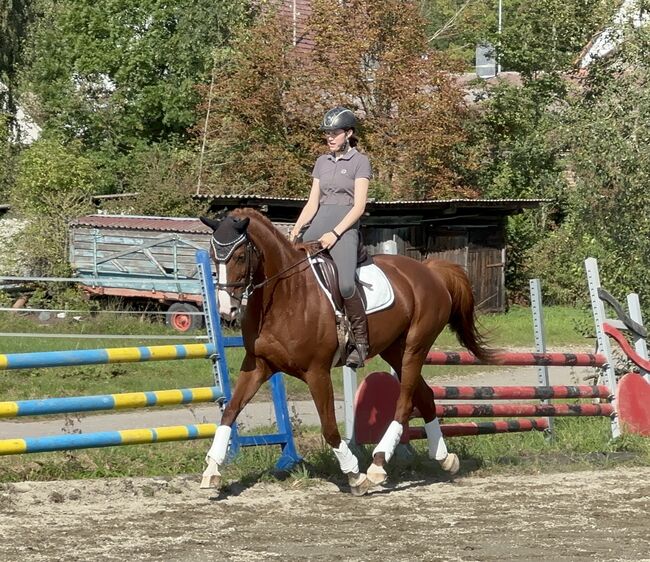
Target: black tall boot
(357,316)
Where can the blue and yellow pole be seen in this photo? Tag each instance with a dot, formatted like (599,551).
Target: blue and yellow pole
(109,401)
(41,359)
(51,443)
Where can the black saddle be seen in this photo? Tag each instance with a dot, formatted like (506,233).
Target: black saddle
(328,274)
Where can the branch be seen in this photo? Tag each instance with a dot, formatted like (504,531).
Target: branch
(450,22)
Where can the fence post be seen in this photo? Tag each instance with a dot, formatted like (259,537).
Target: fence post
(598,310)
(540,343)
(640,346)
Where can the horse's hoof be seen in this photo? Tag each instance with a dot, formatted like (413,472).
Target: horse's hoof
(359,484)
(450,464)
(213,481)
(211,477)
(376,474)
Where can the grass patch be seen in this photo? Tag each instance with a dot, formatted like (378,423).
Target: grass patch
(580,444)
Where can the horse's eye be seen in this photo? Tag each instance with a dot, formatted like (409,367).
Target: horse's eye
(239,258)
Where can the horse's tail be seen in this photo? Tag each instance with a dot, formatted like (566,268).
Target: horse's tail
(462,319)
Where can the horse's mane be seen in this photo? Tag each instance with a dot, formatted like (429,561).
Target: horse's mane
(256,216)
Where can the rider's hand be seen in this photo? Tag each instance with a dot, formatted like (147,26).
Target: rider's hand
(328,240)
(293,236)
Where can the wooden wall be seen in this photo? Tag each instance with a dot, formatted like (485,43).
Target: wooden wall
(480,250)
(135,252)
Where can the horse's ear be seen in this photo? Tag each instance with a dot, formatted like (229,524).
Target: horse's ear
(211,223)
(241,225)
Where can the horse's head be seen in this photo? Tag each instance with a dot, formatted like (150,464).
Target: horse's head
(237,260)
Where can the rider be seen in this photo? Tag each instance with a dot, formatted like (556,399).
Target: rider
(336,202)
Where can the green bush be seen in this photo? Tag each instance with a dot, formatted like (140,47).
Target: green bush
(53,186)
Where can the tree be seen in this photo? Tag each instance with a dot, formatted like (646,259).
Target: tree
(515,136)
(546,36)
(605,133)
(117,75)
(373,57)
(15,16)
(458,26)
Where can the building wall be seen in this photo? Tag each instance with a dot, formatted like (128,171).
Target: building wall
(479,250)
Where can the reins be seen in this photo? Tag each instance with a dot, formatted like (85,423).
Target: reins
(268,279)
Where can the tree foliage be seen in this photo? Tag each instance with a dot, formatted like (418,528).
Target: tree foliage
(546,36)
(118,74)
(605,133)
(53,186)
(15,16)
(267,102)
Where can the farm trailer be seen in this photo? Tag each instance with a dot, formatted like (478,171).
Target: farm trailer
(145,258)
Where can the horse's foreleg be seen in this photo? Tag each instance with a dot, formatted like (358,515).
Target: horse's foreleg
(254,373)
(320,386)
(425,403)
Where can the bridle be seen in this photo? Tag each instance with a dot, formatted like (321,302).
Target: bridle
(223,252)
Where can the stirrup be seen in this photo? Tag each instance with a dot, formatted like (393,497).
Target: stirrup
(356,358)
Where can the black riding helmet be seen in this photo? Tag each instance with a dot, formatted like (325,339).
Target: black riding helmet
(338,118)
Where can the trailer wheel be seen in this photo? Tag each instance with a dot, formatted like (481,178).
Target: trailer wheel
(179,317)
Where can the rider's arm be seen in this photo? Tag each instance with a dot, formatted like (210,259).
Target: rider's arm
(309,210)
(358,208)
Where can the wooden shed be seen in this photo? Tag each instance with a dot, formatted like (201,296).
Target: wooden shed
(470,232)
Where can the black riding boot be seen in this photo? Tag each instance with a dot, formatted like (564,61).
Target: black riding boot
(357,316)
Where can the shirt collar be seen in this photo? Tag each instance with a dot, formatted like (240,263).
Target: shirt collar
(347,156)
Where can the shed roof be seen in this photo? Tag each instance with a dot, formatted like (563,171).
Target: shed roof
(506,206)
(159,224)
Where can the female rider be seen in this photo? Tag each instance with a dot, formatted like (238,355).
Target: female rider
(337,201)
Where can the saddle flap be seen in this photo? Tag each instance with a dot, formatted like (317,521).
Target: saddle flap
(373,285)
(325,269)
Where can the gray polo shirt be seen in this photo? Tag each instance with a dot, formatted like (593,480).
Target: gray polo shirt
(337,177)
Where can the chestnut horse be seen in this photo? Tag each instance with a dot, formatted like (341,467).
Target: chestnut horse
(288,325)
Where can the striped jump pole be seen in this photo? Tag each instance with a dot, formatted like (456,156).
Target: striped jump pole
(518,392)
(483,428)
(74,404)
(518,359)
(41,359)
(522,410)
(52,443)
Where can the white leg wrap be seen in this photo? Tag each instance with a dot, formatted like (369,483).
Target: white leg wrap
(390,440)
(347,460)
(220,444)
(437,447)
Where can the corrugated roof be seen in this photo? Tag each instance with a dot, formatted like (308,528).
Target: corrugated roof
(242,198)
(161,224)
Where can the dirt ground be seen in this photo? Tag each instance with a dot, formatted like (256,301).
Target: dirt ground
(595,515)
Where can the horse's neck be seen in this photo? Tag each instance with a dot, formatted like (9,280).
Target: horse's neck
(278,254)
(277,257)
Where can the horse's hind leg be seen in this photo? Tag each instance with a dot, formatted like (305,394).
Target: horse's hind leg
(423,400)
(320,386)
(410,366)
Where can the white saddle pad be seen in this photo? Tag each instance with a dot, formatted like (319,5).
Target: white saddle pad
(377,288)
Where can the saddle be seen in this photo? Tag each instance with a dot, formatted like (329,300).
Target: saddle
(327,274)
(372,284)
